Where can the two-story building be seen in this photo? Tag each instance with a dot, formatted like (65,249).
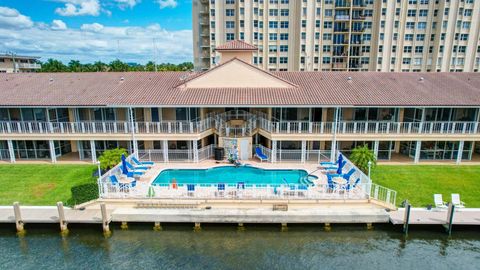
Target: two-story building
(294,116)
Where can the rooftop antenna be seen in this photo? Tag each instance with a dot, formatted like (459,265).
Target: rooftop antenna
(154,55)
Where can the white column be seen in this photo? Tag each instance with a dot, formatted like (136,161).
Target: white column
(333,154)
(81,154)
(135,148)
(460,152)
(93,151)
(274,151)
(304,151)
(53,156)
(375,149)
(11,152)
(132,127)
(418,147)
(195,150)
(165,150)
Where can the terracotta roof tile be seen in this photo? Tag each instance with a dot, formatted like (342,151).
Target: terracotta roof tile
(236,45)
(313,89)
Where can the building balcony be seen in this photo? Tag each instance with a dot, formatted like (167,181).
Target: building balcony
(28,66)
(234,125)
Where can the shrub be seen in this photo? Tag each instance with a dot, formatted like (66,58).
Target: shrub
(83,193)
(361,155)
(110,158)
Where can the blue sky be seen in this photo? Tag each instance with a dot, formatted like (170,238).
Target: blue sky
(92,30)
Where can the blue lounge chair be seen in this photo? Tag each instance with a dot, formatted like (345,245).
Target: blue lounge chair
(221,187)
(133,173)
(345,176)
(349,186)
(260,155)
(142,163)
(134,168)
(114,180)
(190,189)
(332,164)
(240,185)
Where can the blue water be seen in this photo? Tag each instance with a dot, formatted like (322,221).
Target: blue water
(230,175)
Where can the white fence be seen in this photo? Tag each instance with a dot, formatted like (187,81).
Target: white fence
(359,187)
(177,155)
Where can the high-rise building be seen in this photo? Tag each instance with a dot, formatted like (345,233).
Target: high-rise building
(343,35)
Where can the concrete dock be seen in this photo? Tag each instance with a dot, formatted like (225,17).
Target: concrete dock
(422,216)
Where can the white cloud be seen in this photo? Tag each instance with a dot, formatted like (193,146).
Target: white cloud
(58,25)
(167,3)
(79,8)
(94,27)
(11,18)
(92,42)
(122,4)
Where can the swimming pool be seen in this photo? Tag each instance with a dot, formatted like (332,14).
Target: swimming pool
(232,175)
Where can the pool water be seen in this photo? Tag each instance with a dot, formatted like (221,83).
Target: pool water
(231,175)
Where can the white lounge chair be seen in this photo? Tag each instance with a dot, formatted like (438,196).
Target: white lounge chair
(456,201)
(438,200)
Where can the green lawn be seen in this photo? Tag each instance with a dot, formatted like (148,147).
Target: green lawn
(419,183)
(41,184)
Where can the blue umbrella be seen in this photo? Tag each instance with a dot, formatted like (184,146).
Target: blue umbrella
(124,164)
(340,159)
(340,164)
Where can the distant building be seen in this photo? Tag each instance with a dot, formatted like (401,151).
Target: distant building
(343,35)
(11,63)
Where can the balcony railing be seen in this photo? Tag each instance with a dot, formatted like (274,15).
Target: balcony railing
(117,127)
(224,127)
(28,65)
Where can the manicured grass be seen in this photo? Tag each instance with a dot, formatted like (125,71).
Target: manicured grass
(419,183)
(41,184)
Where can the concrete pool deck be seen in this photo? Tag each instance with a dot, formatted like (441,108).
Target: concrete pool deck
(310,168)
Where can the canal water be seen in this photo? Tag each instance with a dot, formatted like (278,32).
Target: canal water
(224,247)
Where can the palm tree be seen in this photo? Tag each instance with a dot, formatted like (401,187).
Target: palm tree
(361,156)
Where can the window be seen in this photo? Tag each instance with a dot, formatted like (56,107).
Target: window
(283,36)
(284,24)
(230,12)
(272,36)
(284,48)
(273,12)
(230,36)
(284,12)
(272,60)
(418,49)
(230,24)
(283,60)
(326,60)
(407,49)
(273,24)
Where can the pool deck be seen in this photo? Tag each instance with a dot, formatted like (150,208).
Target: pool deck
(312,169)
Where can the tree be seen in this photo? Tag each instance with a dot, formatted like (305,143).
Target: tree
(75,66)
(110,158)
(361,155)
(53,65)
(118,66)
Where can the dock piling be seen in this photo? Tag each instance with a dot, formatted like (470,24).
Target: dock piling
(448,226)
(124,225)
(406,217)
(327,227)
(157,226)
(284,227)
(197,227)
(241,227)
(105,219)
(18,218)
(61,218)
(369,226)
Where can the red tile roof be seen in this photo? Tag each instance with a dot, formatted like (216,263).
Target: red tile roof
(236,45)
(314,89)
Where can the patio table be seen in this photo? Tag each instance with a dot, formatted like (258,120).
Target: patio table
(339,181)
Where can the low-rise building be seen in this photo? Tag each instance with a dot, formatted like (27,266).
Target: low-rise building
(11,63)
(293,116)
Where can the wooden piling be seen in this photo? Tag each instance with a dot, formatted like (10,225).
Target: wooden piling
(18,218)
(369,226)
(124,225)
(105,219)
(157,226)
(241,227)
(284,227)
(449,224)
(406,217)
(61,218)
(327,227)
(197,227)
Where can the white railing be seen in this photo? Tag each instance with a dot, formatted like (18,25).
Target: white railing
(206,152)
(383,194)
(233,191)
(177,155)
(116,127)
(28,65)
